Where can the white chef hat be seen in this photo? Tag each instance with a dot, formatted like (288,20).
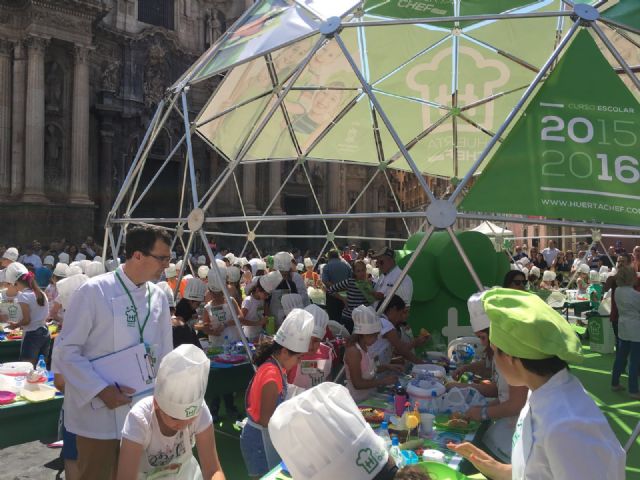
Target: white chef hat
(233,274)
(67,286)
(182,381)
(94,269)
(296,330)
(261,265)
(534,272)
(320,320)
(73,270)
(365,320)
(80,257)
(525,270)
(308,262)
(231,257)
(97,258)
(84,264)
(63,258)
(179,266)
(243,261)
(514,267)
(583,268)
(594,276)
(195,290)
(604,269)
(349,448)
(48,260)
(170,271)
(548,276)
(369,268)
(166,289)
(202,260)
(203,271)
(290,301)
(270,281)
(477,315)
(112,264)
(13,272)
(214,281)
(282,261)
(523,262)
(60,270)
(300,267)
(11,253)
(603,277)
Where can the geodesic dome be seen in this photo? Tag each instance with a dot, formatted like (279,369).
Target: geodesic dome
(430,88)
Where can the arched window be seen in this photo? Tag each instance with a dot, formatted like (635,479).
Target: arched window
(156,12)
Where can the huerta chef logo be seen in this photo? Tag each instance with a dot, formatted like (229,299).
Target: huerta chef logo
(190,411)
(369,460)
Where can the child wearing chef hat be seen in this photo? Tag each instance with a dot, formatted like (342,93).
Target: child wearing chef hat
(269,388)
(159,431)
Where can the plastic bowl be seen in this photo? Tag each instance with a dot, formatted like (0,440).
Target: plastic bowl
(6,397)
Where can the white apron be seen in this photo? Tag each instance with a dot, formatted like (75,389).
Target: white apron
(368,370)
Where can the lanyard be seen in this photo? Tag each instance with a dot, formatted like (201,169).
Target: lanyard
(135,309)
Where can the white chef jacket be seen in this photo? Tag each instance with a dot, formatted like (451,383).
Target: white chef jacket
(96,325)
(562,434)
(386,282)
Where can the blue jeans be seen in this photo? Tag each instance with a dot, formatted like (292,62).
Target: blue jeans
(35,343)
(627,348)
(258,452)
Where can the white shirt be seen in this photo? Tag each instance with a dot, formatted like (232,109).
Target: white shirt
(562,434)
(386,282)
(37,313)
(162,456)
(33,259)
(255,311)
(550,255)
(382,350)
(96,325)
(222,313)
(628,302)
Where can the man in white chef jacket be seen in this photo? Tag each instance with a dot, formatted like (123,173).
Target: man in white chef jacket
(110,313)
(389,274)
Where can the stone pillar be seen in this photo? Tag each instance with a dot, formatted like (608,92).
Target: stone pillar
(80,129)
(335,188)
(5,118)
(34,123)
(275,181)
(249,187)
(18,119)
(106,170)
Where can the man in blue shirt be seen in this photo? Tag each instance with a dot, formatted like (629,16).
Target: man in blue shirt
(336,270)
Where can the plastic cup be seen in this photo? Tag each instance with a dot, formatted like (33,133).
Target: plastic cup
(426,421)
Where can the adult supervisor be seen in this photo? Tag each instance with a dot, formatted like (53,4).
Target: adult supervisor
(390,272)
(110,313)
(560,433)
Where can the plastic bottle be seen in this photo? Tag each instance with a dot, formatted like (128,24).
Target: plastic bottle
(399,399)
(41,368)
(395,452)
(433,403)
(383,433)
(226,346)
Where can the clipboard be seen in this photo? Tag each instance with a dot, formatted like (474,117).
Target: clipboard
(131,367)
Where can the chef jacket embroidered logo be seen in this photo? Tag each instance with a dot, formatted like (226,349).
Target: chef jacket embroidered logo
(132,316)
(190,411)
(367,460)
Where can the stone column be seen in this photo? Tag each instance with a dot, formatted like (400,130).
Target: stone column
(34,124)
(5,118)
(275,181)
(106,170)
(17,119)
(249,187)
(335,188)
(80,129)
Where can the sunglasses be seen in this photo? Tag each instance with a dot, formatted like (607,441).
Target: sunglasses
(519,282)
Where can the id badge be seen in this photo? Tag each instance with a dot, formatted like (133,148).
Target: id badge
(152,360)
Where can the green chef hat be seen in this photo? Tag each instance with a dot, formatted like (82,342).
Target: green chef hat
(524,326)
(269,261)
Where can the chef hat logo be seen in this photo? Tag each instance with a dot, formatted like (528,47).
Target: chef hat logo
(367,460)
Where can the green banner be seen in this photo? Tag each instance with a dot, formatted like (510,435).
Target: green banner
(573,154)
(626,12)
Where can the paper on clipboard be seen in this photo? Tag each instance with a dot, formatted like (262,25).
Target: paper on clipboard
(130,367)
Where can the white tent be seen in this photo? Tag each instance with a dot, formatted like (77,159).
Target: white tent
(490,229)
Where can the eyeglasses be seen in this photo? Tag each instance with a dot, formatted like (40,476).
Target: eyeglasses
(519,282)
(160,258)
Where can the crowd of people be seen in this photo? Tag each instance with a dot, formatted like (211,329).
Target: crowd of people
(179,307)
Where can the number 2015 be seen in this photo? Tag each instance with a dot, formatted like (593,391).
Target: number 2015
(554,132)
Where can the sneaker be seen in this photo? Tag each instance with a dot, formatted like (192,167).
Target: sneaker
(617,388)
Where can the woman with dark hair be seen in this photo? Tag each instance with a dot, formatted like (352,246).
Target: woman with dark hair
(540,262)
(359,292)
(34,306)
(515,279)
(268,389)
(561,433)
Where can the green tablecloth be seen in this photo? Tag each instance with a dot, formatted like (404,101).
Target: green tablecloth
(23,422)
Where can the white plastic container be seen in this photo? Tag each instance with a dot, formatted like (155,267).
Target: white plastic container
(421,393)
(435,370)
(16,369)
(431,455)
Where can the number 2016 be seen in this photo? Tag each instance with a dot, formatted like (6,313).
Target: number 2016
(554,132)
(625,167)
